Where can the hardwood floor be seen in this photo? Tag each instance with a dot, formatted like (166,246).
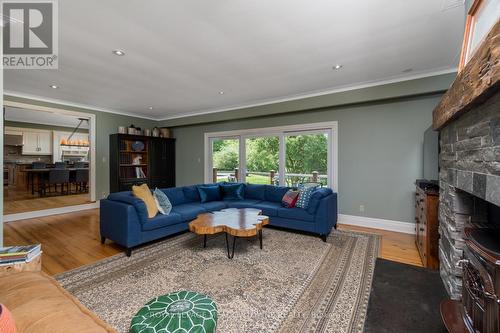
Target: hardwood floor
(395,246)
(68,240)
(17,199)
(72,240)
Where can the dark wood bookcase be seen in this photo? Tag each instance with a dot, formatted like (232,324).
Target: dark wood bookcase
(153,165)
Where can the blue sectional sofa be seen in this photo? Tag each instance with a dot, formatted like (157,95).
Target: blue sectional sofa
(124,218)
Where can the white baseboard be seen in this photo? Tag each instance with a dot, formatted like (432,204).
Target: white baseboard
(48,212)
(370,222)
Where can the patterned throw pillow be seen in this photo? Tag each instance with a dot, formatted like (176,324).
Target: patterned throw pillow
(304,196)
(290,199)
(162,202)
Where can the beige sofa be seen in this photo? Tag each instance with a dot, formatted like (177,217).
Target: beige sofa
(40,305)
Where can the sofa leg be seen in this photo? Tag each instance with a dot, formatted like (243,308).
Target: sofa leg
(128,252)
(103,239)
(323,237)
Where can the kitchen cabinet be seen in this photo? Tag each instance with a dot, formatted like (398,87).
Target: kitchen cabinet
(37,143)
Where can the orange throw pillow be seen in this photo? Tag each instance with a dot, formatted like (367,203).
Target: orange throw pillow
(144,193)
(6,321)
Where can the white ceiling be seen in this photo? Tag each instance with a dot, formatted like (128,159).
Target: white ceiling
(42,117)
(180,54)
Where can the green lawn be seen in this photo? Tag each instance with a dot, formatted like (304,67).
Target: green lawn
(258,179)
(252,179)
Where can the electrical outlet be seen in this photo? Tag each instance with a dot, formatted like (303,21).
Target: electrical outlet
(104,159)
(362,208)
(103,195)
(199,160)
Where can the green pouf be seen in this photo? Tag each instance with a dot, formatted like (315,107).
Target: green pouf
(178,312)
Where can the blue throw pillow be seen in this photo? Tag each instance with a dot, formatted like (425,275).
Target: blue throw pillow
(162,202)
(305,194)
(232,191)
(209,193)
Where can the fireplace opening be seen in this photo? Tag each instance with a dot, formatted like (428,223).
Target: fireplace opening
(471,268)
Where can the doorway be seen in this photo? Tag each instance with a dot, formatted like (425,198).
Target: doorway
(49,160)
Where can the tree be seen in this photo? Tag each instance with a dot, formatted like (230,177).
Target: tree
(305,153)
(225,154)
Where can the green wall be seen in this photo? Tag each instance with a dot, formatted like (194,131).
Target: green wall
(106,124)
(380,139)
(380,151)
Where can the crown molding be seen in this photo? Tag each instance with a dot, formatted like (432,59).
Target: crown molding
(313,94)
(8,93)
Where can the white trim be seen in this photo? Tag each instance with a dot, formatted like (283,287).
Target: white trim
(375,223)
(48,212)
(92,134)
(8,93)
(310,94)
(330,126)
(288,98)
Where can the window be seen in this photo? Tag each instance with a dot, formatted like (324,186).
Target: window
(287,155)
(481,18)
(306,159)
(225,159)
(262,160)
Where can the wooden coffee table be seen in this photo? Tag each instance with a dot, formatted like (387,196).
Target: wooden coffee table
(243,222)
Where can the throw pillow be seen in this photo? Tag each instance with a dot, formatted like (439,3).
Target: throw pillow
(304,196)
(232,191)
(144,193)
(209,193)
(7,324)
(290,199)
(162,202)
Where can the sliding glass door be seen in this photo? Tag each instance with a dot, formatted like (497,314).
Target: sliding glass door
(278,156)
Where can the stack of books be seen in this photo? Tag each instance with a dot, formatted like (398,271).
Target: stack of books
(19,254)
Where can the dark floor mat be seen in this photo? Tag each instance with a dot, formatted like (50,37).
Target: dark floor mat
(404,298)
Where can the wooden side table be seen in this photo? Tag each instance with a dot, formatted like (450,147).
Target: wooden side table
(35,265)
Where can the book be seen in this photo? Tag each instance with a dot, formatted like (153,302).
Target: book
(11,262)
(22,253)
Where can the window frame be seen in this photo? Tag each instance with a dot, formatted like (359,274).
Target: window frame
(331,128)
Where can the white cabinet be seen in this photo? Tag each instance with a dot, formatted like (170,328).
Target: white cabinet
(37,143)
(45,143)
(30,143)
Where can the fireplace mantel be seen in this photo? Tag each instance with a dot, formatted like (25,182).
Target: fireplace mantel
(478,81)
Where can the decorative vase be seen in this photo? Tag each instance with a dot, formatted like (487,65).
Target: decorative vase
(165,132)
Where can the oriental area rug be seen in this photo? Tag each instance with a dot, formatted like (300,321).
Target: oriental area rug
(296,283)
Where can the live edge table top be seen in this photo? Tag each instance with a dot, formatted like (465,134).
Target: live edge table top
(243,222)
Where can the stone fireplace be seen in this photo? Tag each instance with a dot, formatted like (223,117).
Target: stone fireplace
(468,121)
(469,183)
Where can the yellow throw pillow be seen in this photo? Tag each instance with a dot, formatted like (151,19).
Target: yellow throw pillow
(144,193)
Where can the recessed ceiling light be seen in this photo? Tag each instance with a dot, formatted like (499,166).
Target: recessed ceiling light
(118,52)
(221,92)
(150,107)
(53,86)
(337,66)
